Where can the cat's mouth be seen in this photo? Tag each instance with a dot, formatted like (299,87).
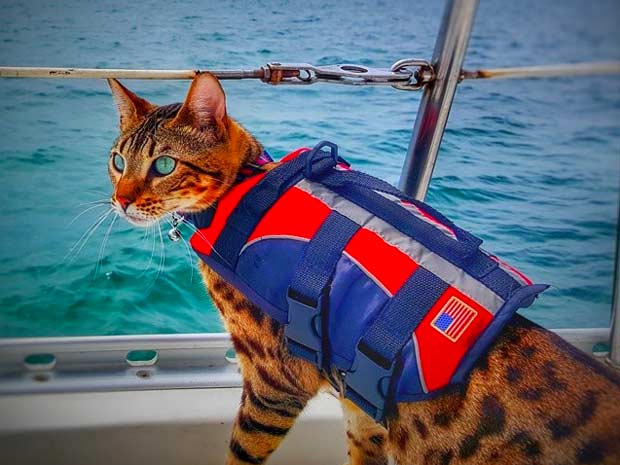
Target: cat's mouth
(138,220)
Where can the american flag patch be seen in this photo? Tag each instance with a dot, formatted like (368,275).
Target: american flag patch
(454,318)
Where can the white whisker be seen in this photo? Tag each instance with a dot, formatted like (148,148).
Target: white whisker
(84,212)
(99,223)
(81,242)
(95,202)
(201,235)
(151,232)
(187,248)
(96,191)
(102,247)
(162,260)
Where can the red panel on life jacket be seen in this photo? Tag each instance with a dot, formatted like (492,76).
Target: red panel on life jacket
(203,241)
(295,214)
(298,214)
(294,154)
(386,263)
(440,354)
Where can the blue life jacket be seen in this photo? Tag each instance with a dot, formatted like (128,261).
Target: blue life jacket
(365,280)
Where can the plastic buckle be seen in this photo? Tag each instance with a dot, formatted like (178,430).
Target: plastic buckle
(369,381)
(303,330)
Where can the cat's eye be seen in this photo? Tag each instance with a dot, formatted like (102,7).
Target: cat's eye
(164,165)
(118,162)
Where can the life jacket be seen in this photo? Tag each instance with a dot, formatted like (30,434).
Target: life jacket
(366,281)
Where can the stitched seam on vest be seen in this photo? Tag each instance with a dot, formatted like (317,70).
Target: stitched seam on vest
(369,274)
(512,273)
(273,236)
(416,351)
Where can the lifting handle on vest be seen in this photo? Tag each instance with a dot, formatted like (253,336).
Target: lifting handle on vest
(313,170)
(470,244)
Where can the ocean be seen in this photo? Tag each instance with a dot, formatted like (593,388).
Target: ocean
(531,166)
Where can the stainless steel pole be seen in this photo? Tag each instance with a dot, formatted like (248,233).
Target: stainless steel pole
(436,101)
(614,340)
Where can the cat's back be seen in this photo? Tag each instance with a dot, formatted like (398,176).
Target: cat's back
(533,399)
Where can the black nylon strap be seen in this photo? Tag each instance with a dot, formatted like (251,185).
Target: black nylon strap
(259,199)
(316,267)
(392,328)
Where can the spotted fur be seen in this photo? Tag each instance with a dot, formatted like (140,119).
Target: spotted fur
(532,399)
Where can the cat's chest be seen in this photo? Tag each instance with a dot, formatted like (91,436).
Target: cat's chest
(239,314)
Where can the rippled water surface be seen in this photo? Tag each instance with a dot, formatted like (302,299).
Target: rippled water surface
(531,166)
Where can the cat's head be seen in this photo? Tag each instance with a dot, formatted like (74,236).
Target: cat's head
(179,157)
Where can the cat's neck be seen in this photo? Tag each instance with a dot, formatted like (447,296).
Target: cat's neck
(249,153)
(252,160)
(244,143)
(253,153)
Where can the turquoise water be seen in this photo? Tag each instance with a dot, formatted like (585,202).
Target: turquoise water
(530,166)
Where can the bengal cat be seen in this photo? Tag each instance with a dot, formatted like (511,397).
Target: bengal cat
(532,399)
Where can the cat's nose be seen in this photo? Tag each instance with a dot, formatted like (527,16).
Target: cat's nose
(123,201)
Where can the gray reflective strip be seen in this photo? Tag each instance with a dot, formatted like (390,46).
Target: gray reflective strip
(416,212)
(437,265)
(416,349)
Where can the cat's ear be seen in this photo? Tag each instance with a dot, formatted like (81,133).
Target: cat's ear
(131,108)
(205,104)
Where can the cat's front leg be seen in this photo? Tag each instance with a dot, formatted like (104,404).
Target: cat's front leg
(270,404)
(276,385)
(366,439)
